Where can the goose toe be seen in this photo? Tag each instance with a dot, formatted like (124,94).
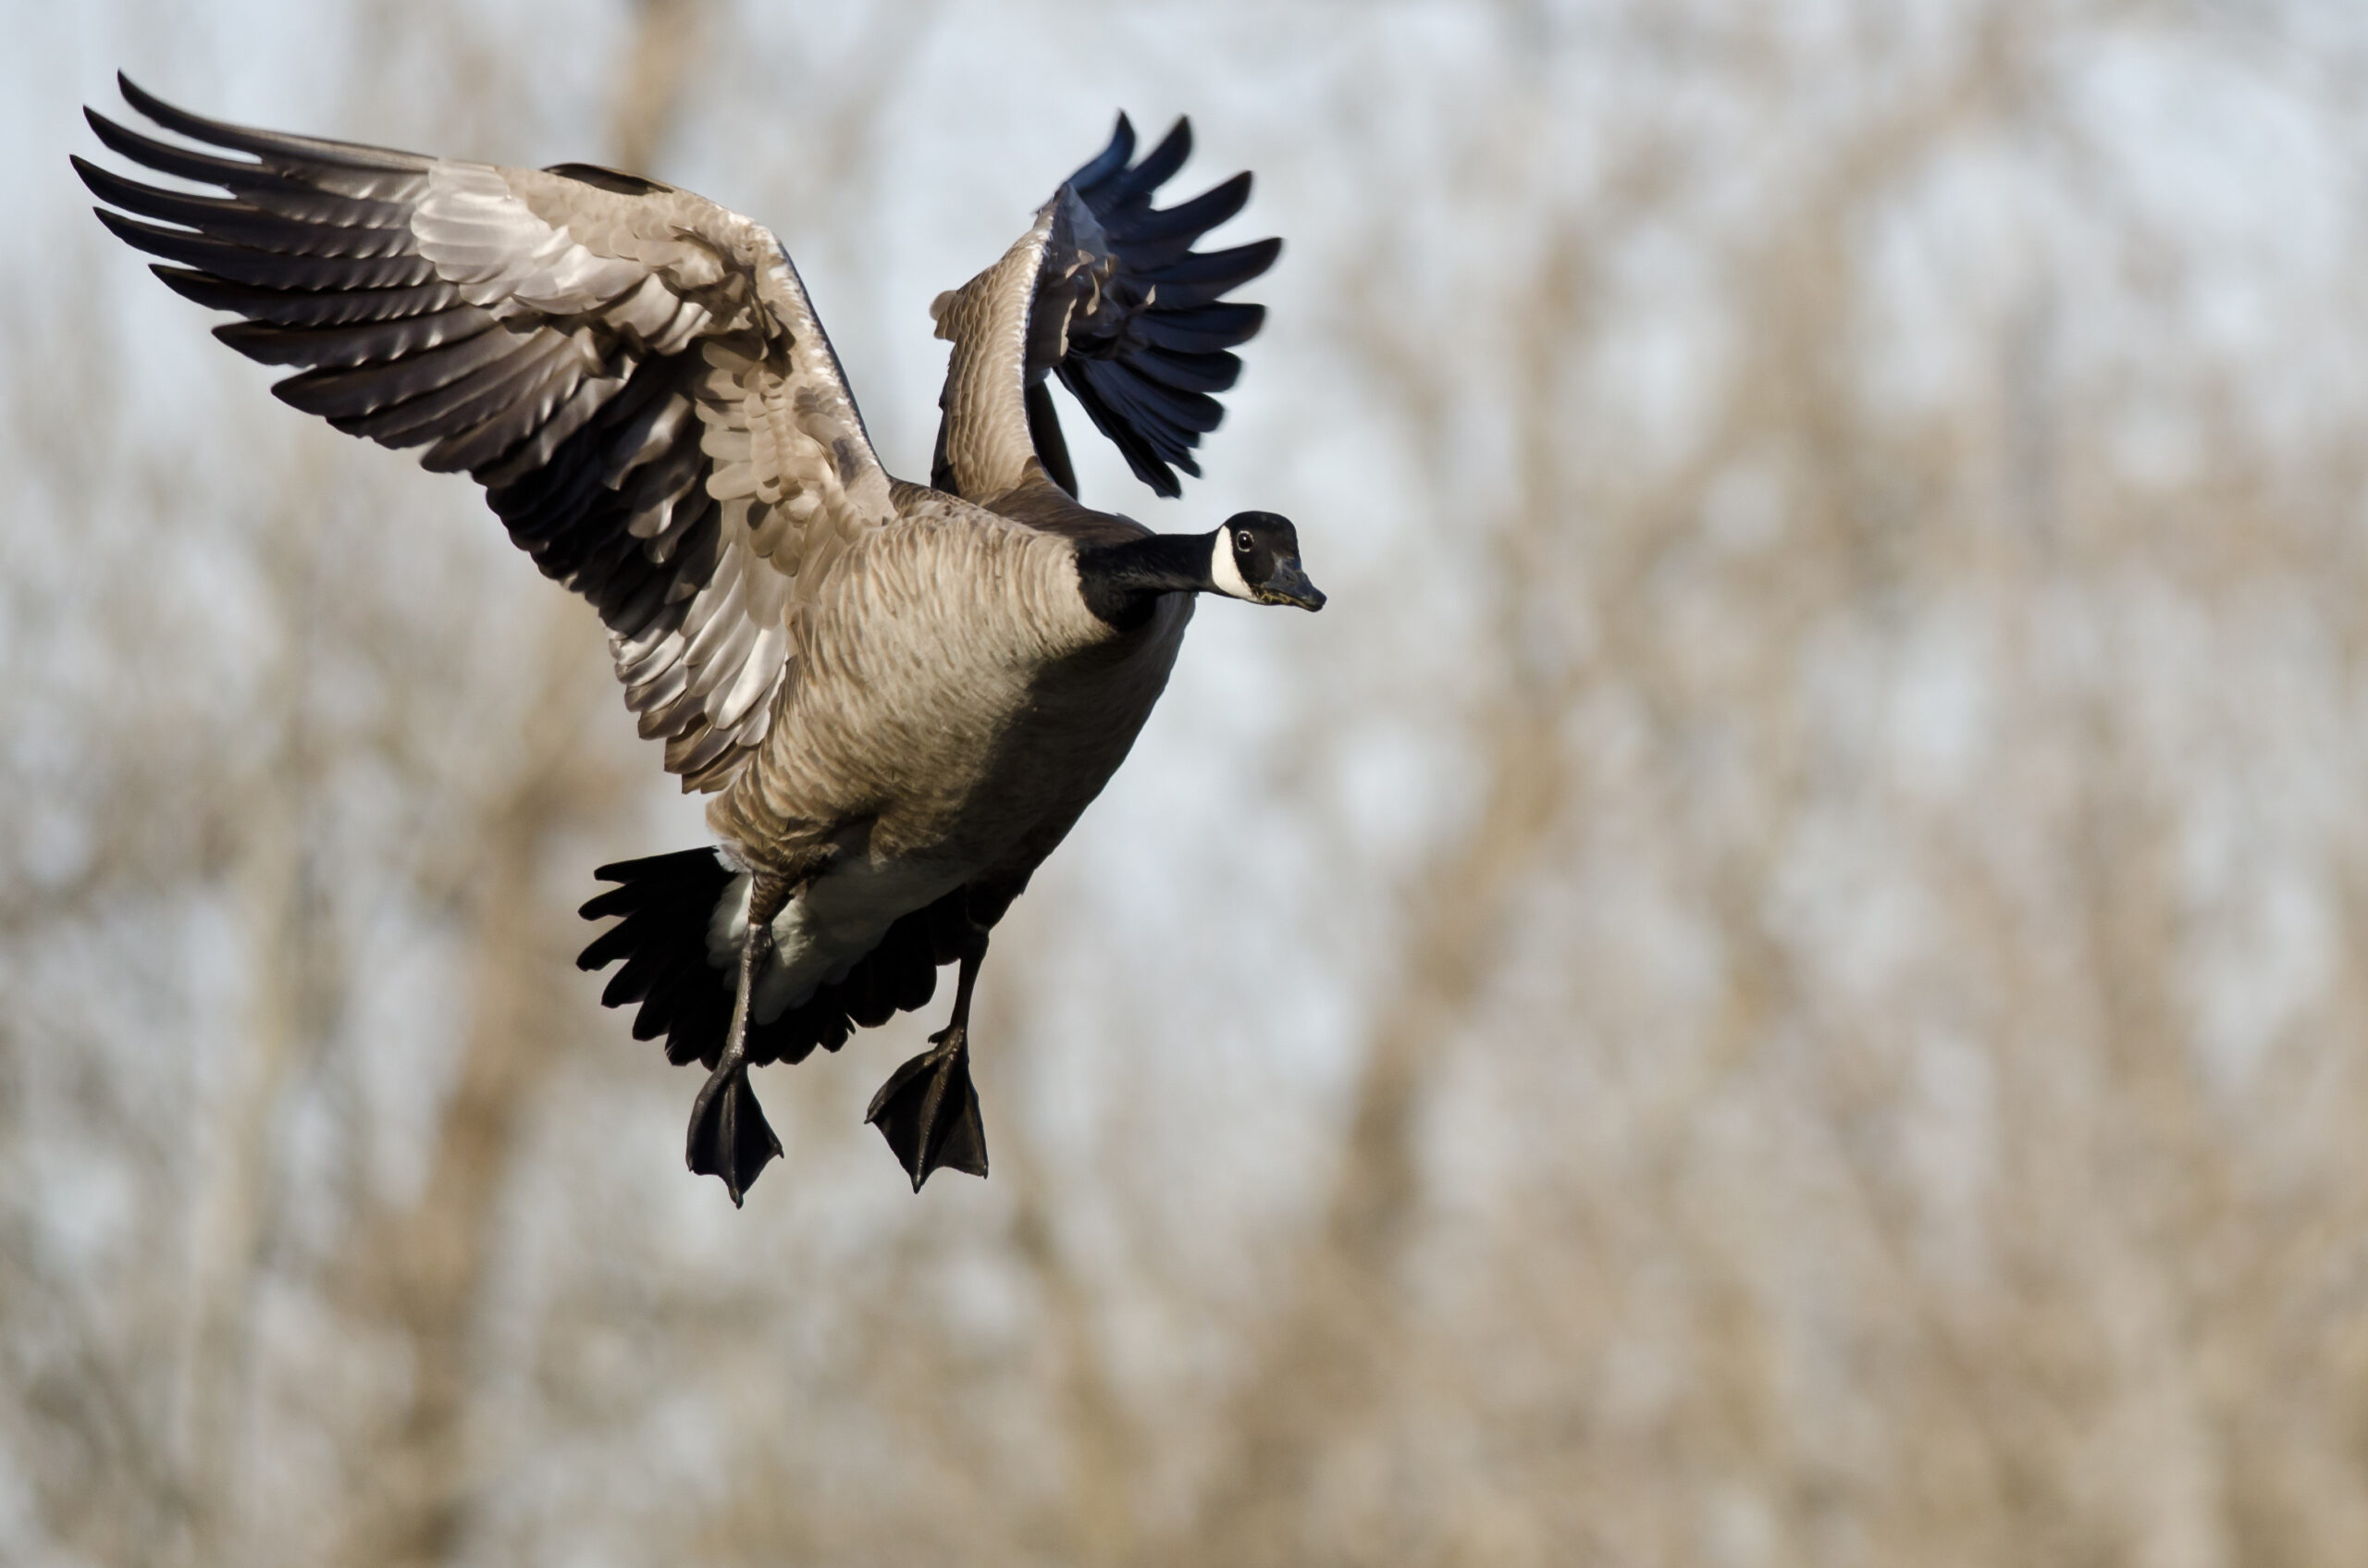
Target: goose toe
(729,1136)
(928,1113)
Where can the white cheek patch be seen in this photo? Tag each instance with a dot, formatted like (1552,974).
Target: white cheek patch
(1224,573)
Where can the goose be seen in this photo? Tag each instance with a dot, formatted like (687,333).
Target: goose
(899,697)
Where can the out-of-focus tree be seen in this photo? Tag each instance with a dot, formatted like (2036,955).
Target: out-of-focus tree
(1776,982)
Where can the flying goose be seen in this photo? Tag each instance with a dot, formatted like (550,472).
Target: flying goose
(901,697)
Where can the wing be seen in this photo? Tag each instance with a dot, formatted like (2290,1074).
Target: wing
(1108,294)
(633,372)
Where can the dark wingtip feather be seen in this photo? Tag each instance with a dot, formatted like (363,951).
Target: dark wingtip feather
(1158,165)
(1189,373)
(225,219)
(1204,212)
(1232,268)
(1111,159)
(1079,377)
(174,244)
(1203,329)
(98,181)
(183,162)
(172,117)
(268,145)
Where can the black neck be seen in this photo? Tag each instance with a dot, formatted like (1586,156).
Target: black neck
(1122,582)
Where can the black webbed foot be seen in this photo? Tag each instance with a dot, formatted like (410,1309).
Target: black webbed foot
(730,1136)
(928,1113)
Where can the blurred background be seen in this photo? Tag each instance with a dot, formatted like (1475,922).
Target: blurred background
(1782,980)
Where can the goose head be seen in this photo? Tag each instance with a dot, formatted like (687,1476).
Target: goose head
(1255,557)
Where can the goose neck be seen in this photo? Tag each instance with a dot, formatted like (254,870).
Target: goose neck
(1122,582)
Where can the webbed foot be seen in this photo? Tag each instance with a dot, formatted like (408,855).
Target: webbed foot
(928,1113)
(730,1136)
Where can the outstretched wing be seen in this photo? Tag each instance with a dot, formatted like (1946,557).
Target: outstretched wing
(1108,293)
(633,372)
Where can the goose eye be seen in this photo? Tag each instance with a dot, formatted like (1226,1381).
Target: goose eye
(1243,542)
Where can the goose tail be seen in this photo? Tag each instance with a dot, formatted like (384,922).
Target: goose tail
(668,903)
(666,908)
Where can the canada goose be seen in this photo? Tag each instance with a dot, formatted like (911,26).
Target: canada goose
(900,695)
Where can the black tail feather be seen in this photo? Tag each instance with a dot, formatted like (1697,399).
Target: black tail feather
(667,903)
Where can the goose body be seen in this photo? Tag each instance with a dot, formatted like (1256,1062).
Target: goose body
(896,775)
(901,697)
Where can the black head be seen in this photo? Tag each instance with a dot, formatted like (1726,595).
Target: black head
(1256,558)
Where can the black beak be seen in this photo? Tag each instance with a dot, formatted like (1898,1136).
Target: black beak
(1288,585)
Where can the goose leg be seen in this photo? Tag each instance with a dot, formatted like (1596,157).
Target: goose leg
(926,1110)
(730,1136)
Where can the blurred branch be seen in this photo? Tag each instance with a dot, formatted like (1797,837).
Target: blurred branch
(425,1267)
(670,44)
(1320,1366)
